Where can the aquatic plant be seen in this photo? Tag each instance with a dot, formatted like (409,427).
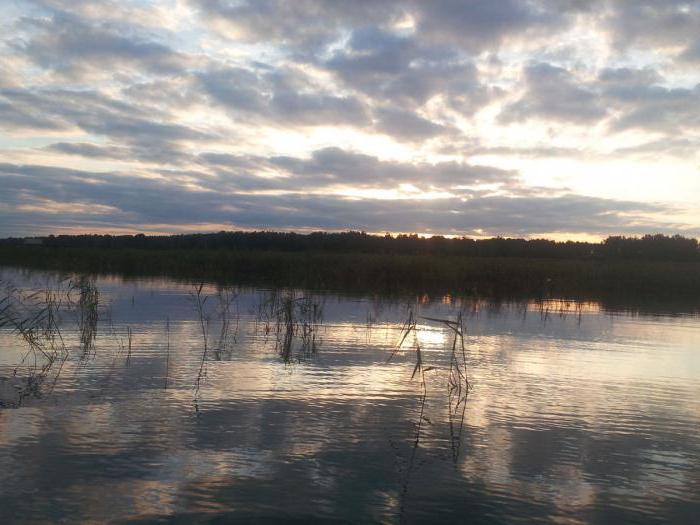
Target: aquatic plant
(34,317)
(371,273)
(87,304)
(167,353)
(200,302)
(129,338)
(291,318)
(458,387)
(228,324)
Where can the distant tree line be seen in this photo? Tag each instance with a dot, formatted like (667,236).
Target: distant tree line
(648,247)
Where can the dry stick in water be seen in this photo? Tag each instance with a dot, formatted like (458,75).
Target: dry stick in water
(53,332)
(416,445)
(458,381)
(203,322)
(370,323)
(458,376)
(408,326)
(287,314)
(227,337)
(167,352)
(458,371)
(128,354)
(88,303)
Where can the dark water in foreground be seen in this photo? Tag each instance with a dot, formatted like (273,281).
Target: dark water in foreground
(575,415)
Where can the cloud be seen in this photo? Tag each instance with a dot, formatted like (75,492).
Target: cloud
(336,166)
(303,114)
(471,24)
(13,117)
(406,125)
(120,200)
(303,22)
(159,153)
(398,68)
(476,25)
(279,96)
(95,113)
(691,53)
(677,147)
(553,93)
(625,98)
(668,24)
(72,46)
(646,104)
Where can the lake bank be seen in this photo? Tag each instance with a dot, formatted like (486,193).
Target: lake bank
(506,277)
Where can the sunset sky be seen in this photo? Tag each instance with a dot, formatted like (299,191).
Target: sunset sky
(564,119)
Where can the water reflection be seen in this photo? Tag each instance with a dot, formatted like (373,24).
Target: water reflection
(575,414)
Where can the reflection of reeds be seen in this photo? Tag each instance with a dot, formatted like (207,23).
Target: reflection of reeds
(370,324)
(34,317)
(457,409)
(457,388)
(88,314)
(167,352)
(228,333)
(296,319)
(414,450)
(129,337)
(200,302)
(407,328)
(458,378)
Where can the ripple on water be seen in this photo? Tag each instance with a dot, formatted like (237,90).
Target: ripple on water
(569,420)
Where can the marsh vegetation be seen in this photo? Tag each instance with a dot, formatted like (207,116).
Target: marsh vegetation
(618,269)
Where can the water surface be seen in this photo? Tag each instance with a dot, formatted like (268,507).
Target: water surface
(574,414)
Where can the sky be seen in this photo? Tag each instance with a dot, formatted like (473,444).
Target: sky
(565,119)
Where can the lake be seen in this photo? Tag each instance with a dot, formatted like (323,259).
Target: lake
(154,400)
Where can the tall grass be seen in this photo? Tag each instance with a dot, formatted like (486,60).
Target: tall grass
(88,302)
(458,387)
(34,317)
(167,353)
(228,331)
(507,277)
(228,323)
(200,302)
(295,322)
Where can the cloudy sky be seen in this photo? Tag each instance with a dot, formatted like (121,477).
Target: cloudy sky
(558,118)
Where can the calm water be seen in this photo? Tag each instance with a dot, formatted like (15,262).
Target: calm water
(574,415)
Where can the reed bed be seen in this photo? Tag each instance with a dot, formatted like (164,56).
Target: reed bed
(35,317)
(506,277)
(295,321)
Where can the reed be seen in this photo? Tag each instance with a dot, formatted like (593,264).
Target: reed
(458,385)
(88,301)
(34,317)
(200,302)
(167,352)
(294,320)
(372,273)
(129,338)
(228,323)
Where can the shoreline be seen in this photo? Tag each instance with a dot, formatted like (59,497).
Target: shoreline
(500,277)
